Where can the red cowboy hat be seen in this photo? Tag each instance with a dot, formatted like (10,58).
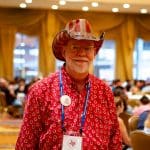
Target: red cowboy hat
(79,29)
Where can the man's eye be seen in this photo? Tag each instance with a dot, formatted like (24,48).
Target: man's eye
(87,48)
(75,48)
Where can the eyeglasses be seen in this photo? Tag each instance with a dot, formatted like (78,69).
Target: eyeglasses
(77,48)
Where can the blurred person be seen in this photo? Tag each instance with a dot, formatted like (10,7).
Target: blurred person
(116,83)
(4,87)
(121,91)
(144,105)
(21,86)
(128,85)
(71,109)
(11,88)
(137,87)
(146,88)
(147,124)
(120,108)
(141,120)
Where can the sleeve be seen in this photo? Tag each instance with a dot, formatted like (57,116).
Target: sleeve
(31,128)
(115,142)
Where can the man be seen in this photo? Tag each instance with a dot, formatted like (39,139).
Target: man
(71,109)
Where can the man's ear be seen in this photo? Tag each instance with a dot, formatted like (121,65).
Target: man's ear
(63,51)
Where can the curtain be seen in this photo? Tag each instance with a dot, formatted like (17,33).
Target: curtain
(49,27)
(7,41)
(12,21)
(125,47)
(123,28)
(143,26)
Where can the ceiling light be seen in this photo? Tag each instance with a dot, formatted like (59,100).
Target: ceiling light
(85,8)
(28,1)
(94,4)
(23,5)
(115,9)
(75,0)
(126,5)
(62,2)
(54,7)
(143,11)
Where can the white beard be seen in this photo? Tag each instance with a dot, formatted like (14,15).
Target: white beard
(79,67)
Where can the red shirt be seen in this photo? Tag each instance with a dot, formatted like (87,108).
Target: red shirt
(41,128)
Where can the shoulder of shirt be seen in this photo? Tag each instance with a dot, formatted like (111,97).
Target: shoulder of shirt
(45,82)
(96,80)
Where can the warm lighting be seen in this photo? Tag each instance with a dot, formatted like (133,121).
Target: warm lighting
(115,9)
(19,60)
(143,11)
(85,8)
(19,52)
(94,4)
(62,2)
(54,7)
(34,52)
(22,44)
(126,5)
(23,5)
(28,1)
(75,0)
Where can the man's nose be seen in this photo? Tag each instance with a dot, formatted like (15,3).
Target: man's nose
(82,51)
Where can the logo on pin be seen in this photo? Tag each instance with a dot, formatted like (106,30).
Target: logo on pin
(65,100)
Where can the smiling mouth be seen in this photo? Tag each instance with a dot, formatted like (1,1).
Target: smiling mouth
(81,60)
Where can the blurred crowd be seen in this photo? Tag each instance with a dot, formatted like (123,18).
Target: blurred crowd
(13,102)
(13,88)
(19,85)
(139,93)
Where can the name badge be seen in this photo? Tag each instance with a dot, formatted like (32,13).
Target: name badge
(72,142)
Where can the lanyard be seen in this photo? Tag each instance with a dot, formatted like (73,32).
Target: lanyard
(83,116)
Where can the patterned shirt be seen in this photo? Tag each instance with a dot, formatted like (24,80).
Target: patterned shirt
(41,128)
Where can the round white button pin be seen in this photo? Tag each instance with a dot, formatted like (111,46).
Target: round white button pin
(65,100)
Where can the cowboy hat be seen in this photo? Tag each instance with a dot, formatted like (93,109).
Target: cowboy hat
(79,29)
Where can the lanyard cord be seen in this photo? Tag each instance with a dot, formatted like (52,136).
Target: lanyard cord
(85,108)
(62,107)
(83,116)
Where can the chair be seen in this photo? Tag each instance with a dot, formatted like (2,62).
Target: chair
(3,103)
(140,140)
(125,117)
(133,123)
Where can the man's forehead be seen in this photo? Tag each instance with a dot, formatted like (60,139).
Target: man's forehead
(80,42)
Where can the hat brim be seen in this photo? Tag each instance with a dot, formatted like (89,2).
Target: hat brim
(62,38)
